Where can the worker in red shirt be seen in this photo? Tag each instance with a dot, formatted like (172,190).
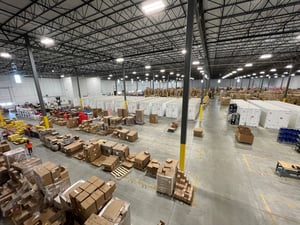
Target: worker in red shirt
(28,146)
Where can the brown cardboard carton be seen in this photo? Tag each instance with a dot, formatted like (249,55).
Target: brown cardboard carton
(4,146)
(99,182)
(91,188)
(153,118)
(110,163)
(73,195)
(152,167)
(139,113)
(84,185)
(108,188)
(87,207)
(198,132)
(141,160)
(97,220)
(132,136)
(99,198)
(43,176)
(107,147)
(123,133)
(92,179)
(121,150)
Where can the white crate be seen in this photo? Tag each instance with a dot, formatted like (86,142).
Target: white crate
(294,121)
(249,113)
(272,116)
(173,109)
(193,109)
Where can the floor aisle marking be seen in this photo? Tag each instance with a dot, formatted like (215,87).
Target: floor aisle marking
(247,163)
(268,209)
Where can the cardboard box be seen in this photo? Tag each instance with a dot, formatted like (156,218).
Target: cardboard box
(107,147)
(132,136)
(91,188)
(110,163)
(198,132)
(121,150)
(65,200)
(153,118)
(43,176)
(123,133)
(73,147)
(244,135)
(108,188)
(166,176)
(4,146)
(141,160)
(97,220)
(152,168)
(139,116)
(99,198)
(87,207)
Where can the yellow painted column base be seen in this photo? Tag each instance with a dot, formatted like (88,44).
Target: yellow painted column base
(284,99)
(80,102)
(182,157)
(46,121)
(201,112)
(125,105)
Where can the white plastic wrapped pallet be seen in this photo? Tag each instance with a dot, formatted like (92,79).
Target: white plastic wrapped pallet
(249,113)
(272,116)
(194,104)
(173,109)
(294,121)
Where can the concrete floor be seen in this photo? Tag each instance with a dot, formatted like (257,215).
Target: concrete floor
(234,183)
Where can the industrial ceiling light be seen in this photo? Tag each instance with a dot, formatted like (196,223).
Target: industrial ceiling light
(286,73)
(52,71)
(253,74)
(298,37)
(156,75)
(178,75)
(289,66)
(219,81)
(234,72)
(248,64)
(261,76)
(196,63)
(202,81)
(162,70)
(298,71)
(126,76)
(201,71)
(171,73)
(133,72)
(148,67)
(292,75)
(137,77)
(266,56)
(282,76)
(121,78)
(262,72)
(147,74)
(239,69)
(153,6)
(18,79)
(119,60)
(183,51)
(62,76)
(47,41)
(5,55)
(199,68)
(182,75)
(276,76)
(273,70)
(163,77)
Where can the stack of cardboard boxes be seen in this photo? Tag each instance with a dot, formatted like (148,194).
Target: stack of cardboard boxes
(166,177)
(122,113)
(4,146)
(183,189)
(139,116)
(152,168)
(90,197)
(125,134)
(244,135)
(73,122)
(141,160)
(73,148)
(92,150)
(198,132)
(26,168)
(121,150)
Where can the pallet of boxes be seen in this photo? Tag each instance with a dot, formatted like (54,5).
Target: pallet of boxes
(244,135)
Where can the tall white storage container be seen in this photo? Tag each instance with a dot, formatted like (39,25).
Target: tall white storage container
(194,104)
(294,121)
(146,105)
(272,116)
(173,109)
(109,105)
(119,103)
(249,113)
(159,107)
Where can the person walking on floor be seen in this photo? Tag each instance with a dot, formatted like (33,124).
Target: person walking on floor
(28,146)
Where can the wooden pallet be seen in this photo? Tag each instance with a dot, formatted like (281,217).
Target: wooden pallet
(120,172)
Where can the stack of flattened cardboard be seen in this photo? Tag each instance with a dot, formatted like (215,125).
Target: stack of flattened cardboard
(4,146)
(183,189)
(26,167)
(198,132)
(152,168)
(116,212)
(141,160)
(92,150)
(121,150)
(90,197)
(166,175)
(110,163)
(153,118)
(107,147)
(244,135)
(132,136)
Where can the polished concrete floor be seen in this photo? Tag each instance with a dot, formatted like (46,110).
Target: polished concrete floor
(234,183)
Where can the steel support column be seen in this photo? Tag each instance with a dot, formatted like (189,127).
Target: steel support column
(262,84)
(36,81)
(249,83)
(287,86)
(79,92)
(116,84)
(124,84)
(187,74)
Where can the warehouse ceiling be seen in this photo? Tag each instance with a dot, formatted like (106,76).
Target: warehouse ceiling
(90,35)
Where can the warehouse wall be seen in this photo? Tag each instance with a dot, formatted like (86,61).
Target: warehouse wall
(26,91)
